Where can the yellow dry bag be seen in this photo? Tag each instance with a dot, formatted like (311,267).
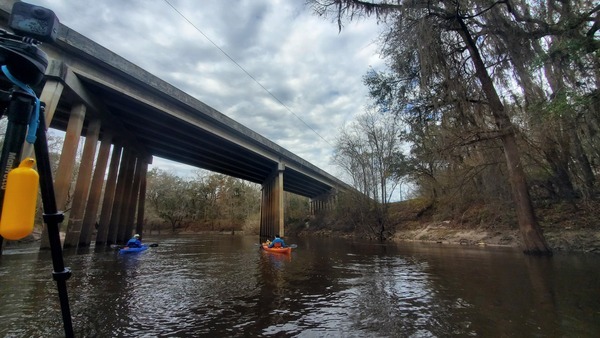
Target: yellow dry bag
(18,211)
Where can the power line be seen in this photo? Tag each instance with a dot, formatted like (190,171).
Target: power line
(245,71)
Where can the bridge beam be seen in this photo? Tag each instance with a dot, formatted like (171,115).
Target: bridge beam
(272,207)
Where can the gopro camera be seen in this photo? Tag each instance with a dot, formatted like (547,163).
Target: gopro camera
(34,21)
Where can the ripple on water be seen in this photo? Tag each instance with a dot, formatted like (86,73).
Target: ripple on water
(225,286)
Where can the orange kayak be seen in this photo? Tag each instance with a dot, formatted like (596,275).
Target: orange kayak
(285,250)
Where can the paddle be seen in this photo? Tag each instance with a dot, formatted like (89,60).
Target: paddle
(115,246)
(293,246)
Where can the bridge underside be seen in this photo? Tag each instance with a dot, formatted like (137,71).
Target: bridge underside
(120,191)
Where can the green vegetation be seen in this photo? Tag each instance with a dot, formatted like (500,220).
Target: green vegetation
(210,202)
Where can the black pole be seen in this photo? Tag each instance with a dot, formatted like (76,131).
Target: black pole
(52,218)
(18,113)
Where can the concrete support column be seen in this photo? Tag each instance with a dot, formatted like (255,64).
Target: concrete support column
(122,236)
(50,96)
(109,196)
(279,204)
(64,174)
(266,229)
(82,185)
(272,205)
(115,233)
(90,218)
(131,202)
(139,228)
(323,202)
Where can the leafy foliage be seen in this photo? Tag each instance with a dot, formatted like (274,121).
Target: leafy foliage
(207,202)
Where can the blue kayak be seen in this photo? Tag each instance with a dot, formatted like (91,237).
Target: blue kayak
(127,250)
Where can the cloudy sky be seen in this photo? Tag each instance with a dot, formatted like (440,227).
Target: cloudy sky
(301,59)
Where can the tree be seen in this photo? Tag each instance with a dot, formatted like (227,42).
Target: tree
(296,208)
(457,42)
(217,198)
(369,151)
(169,196)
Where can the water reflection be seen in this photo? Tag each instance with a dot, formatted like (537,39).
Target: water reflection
(191,286)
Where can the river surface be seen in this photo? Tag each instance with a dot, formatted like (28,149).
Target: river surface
(221,285)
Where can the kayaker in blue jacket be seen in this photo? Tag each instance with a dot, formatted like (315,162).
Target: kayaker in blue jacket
(134,242)
(277,242)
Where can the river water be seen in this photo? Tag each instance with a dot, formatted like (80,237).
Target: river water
(221,285)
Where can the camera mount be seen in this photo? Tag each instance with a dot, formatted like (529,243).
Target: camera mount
(23,58)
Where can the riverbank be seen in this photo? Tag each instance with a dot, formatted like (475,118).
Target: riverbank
(566,240)
(567,227)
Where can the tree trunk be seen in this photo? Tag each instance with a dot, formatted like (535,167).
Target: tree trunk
(533,239)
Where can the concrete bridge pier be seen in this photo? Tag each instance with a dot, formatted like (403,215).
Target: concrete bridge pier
(82,186)
(64,173)
(116,232)
(102,237)
(131,204)
(271,207)
(323,202)
(93,202)
(126,174)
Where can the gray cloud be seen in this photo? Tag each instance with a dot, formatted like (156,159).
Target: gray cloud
(301,59)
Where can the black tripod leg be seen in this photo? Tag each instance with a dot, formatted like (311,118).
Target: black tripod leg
(53,218)
(18,114)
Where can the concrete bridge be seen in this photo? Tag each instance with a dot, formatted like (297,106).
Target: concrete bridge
(127,116)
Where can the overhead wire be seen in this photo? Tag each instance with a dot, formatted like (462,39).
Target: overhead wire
(245,71)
